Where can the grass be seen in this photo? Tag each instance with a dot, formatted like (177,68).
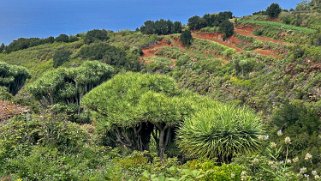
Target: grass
(279,26)
(38,59)
(132,39)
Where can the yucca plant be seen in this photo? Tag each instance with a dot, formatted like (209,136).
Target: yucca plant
(222,132)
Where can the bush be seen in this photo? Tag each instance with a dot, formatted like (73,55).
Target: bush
(4,94)
(258,32)
(244,66)
(110,55)
(60,57)
(222,132)
(186,38)
(316,39)
(62,38)
(50,149)
(297,121)
(96,35)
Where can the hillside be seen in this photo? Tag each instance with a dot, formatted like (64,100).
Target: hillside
(221,98)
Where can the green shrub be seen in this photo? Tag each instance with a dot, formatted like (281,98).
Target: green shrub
(186,38)
(159,65)
(110,55)
(62,38)
(61,56)
(4,94)
(96,35)
(223,132)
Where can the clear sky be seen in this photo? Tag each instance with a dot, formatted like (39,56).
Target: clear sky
(43,18)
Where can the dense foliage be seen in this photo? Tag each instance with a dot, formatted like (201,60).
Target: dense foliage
(274,10)
(65,38)
(161,27)
(226,28)
(222,132)
(211,20)
(60,57)
(110,55)
(13,77)
(24,43)
(133,107)
(193,111)
(64,88)
(186,38)
(96,35)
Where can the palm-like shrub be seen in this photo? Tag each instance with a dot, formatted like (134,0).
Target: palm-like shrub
(13,77)
(222,133)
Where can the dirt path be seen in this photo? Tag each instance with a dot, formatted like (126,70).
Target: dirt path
(268,53)
(248,31)
(8,110)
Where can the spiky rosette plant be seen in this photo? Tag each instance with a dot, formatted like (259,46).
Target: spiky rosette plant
(222,133)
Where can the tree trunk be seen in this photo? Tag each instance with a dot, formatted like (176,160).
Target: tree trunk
(161,145)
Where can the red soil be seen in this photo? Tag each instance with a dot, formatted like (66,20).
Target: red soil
(269,53)
(233,41)
(8,110)
(150,51)
(248,31)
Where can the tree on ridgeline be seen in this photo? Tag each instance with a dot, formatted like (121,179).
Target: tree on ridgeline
(208,20)
(196,23)
(62,38)
(96,35)
(177,27)
(161,27)
(274,10)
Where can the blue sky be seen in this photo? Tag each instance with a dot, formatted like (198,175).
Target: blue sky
(43,18)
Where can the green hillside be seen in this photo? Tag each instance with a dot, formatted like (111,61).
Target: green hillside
(220,98)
